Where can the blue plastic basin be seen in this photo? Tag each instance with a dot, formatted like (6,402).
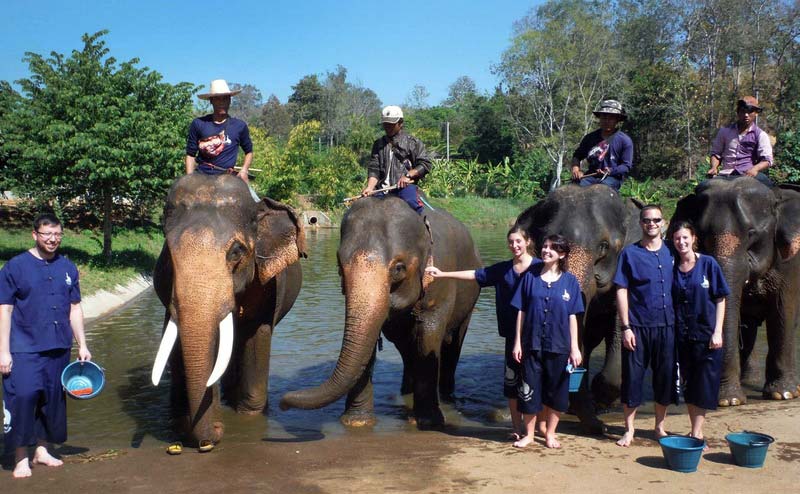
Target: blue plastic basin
(682,452)
(83,380)
(575,379)
(749,449)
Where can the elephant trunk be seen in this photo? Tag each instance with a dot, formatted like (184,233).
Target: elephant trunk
(736,274)
(366,290)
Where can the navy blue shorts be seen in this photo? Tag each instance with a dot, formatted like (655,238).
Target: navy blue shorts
(701,369)
(35,400)
(655,348)
(545,381)
(513,371)
(410,194)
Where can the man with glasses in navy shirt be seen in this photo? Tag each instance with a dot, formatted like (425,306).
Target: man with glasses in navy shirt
(644,306)
(40,313)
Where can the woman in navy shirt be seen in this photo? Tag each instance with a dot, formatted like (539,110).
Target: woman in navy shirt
(548,299)
(504,277)
(698,293)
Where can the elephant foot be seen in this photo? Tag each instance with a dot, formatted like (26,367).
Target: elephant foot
(731,395)
(430,421)
(358,419)
(781,389)
(604,391)
(246,410)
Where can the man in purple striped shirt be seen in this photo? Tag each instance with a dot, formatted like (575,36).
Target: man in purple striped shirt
(742,147)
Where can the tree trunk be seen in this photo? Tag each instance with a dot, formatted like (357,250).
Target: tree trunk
(107,223)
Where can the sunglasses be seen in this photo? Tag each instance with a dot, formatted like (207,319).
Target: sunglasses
(749,109)
(655,221)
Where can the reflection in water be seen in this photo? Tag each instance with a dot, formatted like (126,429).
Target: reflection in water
(305,347)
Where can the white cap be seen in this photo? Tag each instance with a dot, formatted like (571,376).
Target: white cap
(391,114)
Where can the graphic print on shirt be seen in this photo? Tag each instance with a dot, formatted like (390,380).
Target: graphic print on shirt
(68,280)
(565,296)
(212,146)
(6,419)
(705,283)
(597,154)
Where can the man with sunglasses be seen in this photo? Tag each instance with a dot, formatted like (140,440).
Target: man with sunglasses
(742,147)
(40,314)
(644,306)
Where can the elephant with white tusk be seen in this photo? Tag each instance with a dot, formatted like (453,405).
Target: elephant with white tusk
(227,274)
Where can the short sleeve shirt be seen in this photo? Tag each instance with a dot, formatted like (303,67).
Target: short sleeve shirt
(41,293)
(694,294)
(648,277)
(547,307)
(504,280)
(217,144)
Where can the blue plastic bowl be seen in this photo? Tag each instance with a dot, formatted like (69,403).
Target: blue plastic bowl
(83,380)
(749,449)
(682,452)
(575,379)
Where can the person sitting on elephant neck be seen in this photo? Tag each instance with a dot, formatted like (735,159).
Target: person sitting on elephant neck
(742,147)
(212,145)
(398,161)
(608,150)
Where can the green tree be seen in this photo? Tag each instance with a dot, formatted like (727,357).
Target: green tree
(306,100)
(275,118)
(89,128)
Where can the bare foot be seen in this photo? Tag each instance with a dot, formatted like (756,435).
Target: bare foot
(42,457)
(22,469)
(659,433)
(700,437)
(552,442)
(515,436)
(626,439)
(524,442)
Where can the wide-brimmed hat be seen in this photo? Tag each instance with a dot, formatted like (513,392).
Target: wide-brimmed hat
(391,114)
(219,88)
(748,101)
(610,107)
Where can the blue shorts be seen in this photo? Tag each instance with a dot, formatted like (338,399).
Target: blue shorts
(545,381)
(701,372)
(655,348)
(613,182)
(513,371)
(35,400)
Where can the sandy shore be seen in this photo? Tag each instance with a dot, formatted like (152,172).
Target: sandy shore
(457,460)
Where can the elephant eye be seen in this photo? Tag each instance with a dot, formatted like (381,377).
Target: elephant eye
(398,271)
(602,249)
(236,252)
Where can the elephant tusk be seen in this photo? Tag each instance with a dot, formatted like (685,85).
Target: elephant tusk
(167,342)
(225,349)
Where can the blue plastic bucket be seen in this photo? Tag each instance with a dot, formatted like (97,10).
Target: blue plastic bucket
(83,380)
(575,378)
(749,449)
(682,452)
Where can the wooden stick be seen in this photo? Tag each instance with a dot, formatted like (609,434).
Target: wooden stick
(385,189)
(249,169)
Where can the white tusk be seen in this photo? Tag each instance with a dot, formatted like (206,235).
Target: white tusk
(225,349)
(167,342)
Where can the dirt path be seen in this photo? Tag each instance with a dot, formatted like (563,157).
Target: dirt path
(458,460)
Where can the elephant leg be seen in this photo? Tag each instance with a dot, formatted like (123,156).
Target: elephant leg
(581,402)
(253,370)
(607,383)
(359,407)
(451,351)
(397,332)
(780,370)
(426,367)
(178,401)
(748,330)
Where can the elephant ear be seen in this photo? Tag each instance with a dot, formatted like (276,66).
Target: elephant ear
(535,219)
(281,238)
(787,236)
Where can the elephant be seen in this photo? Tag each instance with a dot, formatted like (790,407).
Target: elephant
(384,249)
(754,234)
(228,263)
(597,223)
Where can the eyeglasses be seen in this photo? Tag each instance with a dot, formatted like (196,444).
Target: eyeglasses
(49,235)
(749,109)
(655,221)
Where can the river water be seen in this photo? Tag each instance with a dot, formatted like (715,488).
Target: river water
(131,411)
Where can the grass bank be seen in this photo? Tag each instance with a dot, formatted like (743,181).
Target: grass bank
(134,251)
(480,211)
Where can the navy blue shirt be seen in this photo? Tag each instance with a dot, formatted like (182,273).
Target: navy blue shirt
(694,294)
(547,307)
(504,280)
(41,293)
(615,153)
(217,144)
(648,277)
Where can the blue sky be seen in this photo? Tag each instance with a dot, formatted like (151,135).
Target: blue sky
(386,46)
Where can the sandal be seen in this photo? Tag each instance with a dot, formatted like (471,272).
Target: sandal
(205,446)
(175,449)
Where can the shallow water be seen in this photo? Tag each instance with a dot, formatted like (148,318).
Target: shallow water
(131,411)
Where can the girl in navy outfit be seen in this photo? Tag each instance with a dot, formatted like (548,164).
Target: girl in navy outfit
(504,277)
(698,293)
(548,299)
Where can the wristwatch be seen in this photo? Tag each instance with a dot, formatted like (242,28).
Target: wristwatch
(626,327)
